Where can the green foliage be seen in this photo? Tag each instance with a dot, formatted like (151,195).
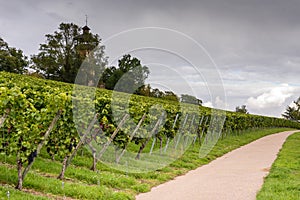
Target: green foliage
(157,93)
(64,137)
(64,51)
(29,115)
(171,96)
(293,112)
(12,59)
(130,75)
(185,98)
(144,90)
(31,104)
(283,182)
(241,109)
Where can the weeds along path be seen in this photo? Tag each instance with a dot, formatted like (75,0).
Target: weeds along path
(236,175)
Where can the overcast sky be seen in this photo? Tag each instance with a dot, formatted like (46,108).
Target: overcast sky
(248,49)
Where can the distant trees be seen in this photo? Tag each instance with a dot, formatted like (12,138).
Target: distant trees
(241,109)
(169,95)
(185,98)
(12,59)
(146,90)
(293,112)
(62,54)
(157,93)
(130,75)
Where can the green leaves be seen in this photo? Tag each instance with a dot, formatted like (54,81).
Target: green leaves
(64,52)
(33,103)
(130,75)
(293,112)
(31,111)
(12,59)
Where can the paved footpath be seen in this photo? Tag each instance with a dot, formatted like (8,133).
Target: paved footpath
(237,175)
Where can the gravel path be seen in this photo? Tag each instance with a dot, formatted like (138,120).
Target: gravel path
(237,175)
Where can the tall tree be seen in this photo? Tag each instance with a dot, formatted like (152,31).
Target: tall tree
(128,77)
(293,112)
(65,50)
(12,59)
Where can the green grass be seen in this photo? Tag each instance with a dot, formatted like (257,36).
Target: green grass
(108,183)
(283,181)
(15,194)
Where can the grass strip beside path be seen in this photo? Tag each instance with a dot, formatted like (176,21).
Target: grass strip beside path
(283,181)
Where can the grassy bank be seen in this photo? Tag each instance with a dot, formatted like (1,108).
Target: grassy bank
(107,183)
(283,182)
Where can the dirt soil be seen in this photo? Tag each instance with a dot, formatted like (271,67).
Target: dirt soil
(237,175)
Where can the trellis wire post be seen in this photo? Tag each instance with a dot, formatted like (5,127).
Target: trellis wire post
(202,133)
(131,137)
(168,140)
(155,132)
(180,134)
(113,135)
(199,124)
(186,138)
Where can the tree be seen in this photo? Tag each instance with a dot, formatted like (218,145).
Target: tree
(169,95)
(128,77)
(64,51)
(145,90)
(110,77)
(241,109)
(185,98)
(157,93)
(12,59)
(293,112)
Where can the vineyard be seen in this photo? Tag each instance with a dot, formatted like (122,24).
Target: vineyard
(46,121)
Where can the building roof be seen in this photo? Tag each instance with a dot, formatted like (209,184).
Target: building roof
(86,28)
